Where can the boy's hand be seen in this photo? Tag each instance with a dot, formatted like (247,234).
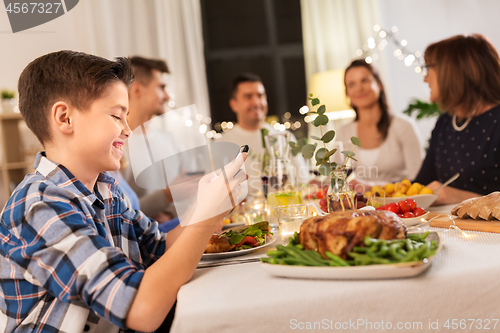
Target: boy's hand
(219,192)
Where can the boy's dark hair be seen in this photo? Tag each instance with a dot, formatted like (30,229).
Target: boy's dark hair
(75,77)
(244,77)
(143,68)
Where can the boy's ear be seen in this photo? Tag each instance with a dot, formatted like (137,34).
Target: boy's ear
(62,117)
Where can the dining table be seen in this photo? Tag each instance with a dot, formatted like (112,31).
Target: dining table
(458,292)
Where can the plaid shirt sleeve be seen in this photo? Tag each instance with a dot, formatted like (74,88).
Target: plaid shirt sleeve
(150,239)
(53,244)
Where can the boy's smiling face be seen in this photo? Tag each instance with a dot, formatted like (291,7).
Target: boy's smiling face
(100,132)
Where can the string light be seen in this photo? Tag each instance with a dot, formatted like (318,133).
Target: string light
(380,41)
(304,109)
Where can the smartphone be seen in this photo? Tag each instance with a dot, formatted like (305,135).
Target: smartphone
(243,149)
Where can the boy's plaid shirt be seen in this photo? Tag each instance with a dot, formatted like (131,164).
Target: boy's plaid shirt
(58,267)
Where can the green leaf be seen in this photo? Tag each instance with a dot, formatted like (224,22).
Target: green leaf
(296,150)
(315,101)
(302,142)
(320,120)
(348,153)
(310,95)
(291,144)
(315,137)
(235,239)
(328,136)
(326,169)
(321,109)
(327,156)
(320,154)
(308,151)
(355,141)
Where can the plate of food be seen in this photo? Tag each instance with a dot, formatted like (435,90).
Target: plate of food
(395,192)
(239,241)
(408,210)
(354,245)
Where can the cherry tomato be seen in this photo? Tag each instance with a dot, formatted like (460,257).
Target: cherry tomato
(400,215)
(408,215)
(325,209)
(309,197)
(322,202)
(392,207)
(412,204)
(403,207)
(319,195)
(419,211)
(381,207)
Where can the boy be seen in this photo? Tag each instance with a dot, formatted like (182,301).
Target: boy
(74,257)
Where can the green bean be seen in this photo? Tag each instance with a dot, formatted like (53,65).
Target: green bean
(379,261)
(402,252)
(311,257)
(289,251)
(415,237)
(271,253)
(368,241)
(337,259)
(295,261)
(415,254)
(409,245)
(300,254)
(360,249)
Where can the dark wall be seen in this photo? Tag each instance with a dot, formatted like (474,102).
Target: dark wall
(259,36)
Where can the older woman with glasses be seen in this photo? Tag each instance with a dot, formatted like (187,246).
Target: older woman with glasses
(463,74)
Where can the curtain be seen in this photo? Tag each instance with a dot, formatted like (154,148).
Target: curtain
(334,29)
(166,29)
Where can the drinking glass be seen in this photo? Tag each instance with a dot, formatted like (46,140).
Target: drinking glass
(290,219)
(254,211)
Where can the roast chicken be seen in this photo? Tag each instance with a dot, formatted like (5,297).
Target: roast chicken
(486,208)
(339,232)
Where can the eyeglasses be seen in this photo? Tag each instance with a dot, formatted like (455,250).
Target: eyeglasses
(425,69)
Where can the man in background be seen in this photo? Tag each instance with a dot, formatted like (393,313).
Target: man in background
(249,102)
(147,98)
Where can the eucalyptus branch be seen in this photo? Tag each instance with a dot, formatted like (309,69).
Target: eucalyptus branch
(322,155)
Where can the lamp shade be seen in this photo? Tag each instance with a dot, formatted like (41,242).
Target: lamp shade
(328,86)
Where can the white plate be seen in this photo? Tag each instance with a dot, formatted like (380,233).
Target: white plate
(232,225)
(411,221)
(368,272)
(422,200)
(222,255)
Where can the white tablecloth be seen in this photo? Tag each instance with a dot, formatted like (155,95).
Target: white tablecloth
(462,283)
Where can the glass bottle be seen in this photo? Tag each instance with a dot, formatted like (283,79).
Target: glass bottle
(282,187)
(340,195)
(265,162)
